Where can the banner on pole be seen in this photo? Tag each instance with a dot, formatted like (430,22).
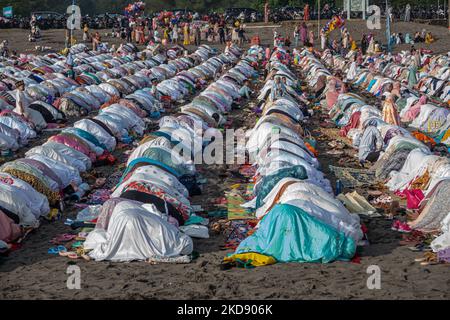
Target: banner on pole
(8,12)
(356,5)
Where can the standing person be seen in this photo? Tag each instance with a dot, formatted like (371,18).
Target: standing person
(216,31)
(417,58)
(267,53)
(21,101)
(345,39)
(85,33)
(234,34)
(390,13)
(137,34)
(33,23)
(275,37)
(69,63)
(241,35)
(123,34)
(311,38)
(129,33)
(186,36)
(132,25)
(351,74)
(175,34)
(222,39)
(266,12)
(389,112)
(142,34)
(154,23)
(156,36)
(364,44)
(296,36)
(4,51)
(303,33)
(323,39)
(96,41)
(197,35)
(408,13)
(306,12)
(371,47)
(166,35)
(412,74)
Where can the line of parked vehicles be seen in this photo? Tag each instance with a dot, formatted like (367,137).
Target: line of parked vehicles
(54,20)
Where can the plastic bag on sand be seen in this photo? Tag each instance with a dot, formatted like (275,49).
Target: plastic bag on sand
(196,231)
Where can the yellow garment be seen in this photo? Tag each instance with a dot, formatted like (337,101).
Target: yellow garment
(52,196)
(446,134)
(257,260)
(354,46)
(421,182)
(429,38)
(186,36)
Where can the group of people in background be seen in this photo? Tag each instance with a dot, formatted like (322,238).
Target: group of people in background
(172,29)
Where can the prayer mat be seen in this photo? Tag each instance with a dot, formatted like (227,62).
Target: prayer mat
(234,200)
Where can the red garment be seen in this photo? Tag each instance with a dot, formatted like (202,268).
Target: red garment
(413,198)
(352,124)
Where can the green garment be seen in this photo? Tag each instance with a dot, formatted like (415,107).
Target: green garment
(289,234)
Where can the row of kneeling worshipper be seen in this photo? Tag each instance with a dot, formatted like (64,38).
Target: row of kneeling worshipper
(30,186)
(401,104)
(410,163)
(149,215)
(52,96)
(424,74)
(300,220)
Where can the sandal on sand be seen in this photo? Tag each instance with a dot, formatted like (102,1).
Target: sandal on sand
(66,237)
(429,258)
(82,253)
(56,250)
(69,254)
(77,244)
(420,247)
